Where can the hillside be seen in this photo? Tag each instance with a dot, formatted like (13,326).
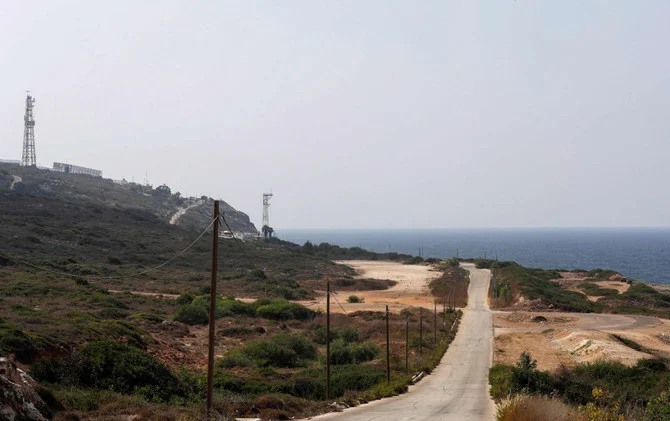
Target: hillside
(86,191)
(517,287)
(83,290)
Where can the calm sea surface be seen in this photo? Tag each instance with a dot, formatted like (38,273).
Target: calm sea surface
(642,254)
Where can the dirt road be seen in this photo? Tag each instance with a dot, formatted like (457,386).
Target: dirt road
(458,388)
(573,338)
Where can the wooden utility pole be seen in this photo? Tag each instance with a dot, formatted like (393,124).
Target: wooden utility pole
(212,309)
(328,340)
(435,323)
(407,345)
(421,330)
(388,348)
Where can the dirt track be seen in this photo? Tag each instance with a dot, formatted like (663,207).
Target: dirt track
(572,338)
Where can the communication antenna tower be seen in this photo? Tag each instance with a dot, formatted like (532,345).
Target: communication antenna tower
(266,206)
(28,158)
(267,230)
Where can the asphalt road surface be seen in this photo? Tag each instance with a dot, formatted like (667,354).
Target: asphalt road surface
(458,388)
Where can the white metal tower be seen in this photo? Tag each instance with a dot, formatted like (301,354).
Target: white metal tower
(28,158)
(266,206)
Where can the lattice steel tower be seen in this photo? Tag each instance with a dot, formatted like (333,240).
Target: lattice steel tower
(28,158)
(266,205)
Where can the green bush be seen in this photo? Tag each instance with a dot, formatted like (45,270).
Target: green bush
(347,377)
(355,299)
(192,314)
(283,350)
(285,310)
(23,346)
(235,359)
(184,299)
(658,407)
(347,334)
(453,262)
(114,366)
(500,379)
(352,353)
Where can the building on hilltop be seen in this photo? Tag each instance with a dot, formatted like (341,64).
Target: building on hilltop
(74,169)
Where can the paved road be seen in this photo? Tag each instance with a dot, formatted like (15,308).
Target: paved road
(17,179)
(458,388)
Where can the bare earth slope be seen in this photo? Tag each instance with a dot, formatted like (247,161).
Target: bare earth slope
(458,388)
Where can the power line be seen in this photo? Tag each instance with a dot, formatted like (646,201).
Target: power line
(101,278)
(338,302)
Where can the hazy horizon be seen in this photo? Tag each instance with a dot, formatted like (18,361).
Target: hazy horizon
(358,115)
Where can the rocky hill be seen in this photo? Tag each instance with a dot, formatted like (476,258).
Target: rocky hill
(28,184)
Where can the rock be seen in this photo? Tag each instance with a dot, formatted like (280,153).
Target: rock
(19,399)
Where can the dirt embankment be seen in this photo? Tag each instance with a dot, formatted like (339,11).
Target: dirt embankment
(556,339)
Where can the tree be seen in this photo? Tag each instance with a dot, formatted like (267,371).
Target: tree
(163,190)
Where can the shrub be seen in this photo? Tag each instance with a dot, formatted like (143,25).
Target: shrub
(658,408)
(413,260)
(500,378)
(453,262)
(185,298)
(347,334)
(15,341)
(203,290)
(352,353)
(192,314)
(348,377)
(532,408)
(283,350)
(235,359)
(114,366)
(355,299)
(284,310)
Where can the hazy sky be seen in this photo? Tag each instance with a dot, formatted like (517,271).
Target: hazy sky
(357,114)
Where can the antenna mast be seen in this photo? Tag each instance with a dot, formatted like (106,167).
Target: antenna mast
(28,158)
(267,230)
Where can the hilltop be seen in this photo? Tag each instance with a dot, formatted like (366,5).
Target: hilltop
(87,191)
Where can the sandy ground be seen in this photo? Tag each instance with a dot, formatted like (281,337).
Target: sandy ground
(146,294)
(572,338)
(411,289)
(571,281)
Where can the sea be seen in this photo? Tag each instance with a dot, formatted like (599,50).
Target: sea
(641,254)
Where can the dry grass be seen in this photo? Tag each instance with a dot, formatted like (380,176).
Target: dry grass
(534,408)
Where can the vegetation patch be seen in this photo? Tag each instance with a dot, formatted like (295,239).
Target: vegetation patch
(452,286)
(116,367)
(605,388)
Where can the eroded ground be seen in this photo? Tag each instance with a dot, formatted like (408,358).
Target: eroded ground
(571,338)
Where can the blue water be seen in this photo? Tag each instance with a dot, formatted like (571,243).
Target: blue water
(642,254)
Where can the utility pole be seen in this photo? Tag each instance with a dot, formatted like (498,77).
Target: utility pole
(212,309)
(435,322)
(421,330)
(328,341)
(407,345)
(388,349)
